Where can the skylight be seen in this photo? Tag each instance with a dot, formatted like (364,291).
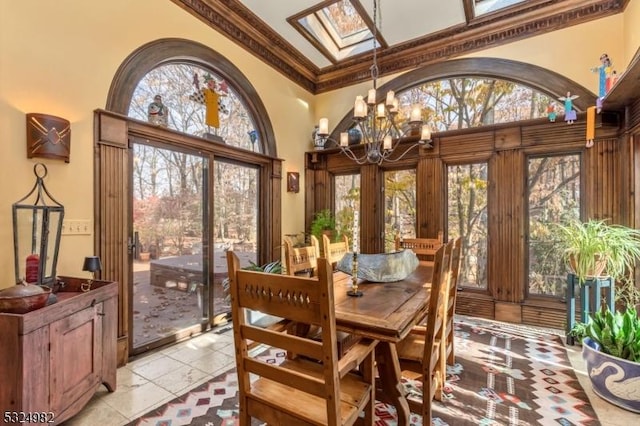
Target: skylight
(482,7)
(338,30)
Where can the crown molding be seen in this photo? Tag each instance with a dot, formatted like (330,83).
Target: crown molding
(239,24)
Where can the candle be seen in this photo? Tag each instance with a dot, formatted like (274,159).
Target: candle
(323,126)
(344,139)
(426,133)
(386,144)
(390,97)
(380,113)
(371,99)
(356,219)
(32,268)
(416,114)
(360,108)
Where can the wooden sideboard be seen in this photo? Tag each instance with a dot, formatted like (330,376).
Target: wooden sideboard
(53,359)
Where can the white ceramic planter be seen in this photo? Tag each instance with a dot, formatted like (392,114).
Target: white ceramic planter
(615,380)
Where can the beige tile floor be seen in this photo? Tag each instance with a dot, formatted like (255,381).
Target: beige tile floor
(157,378)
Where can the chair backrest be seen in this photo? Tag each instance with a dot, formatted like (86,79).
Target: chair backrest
(316,243)
(300,259)
(300,299)
(437,303)
(450,304)
(333,252)
(425,248)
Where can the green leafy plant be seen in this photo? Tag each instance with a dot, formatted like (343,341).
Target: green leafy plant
(618,334)
(323,221)
(593,243)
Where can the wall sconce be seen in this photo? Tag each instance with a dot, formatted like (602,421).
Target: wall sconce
(91,264)
(293,182)
(48,137)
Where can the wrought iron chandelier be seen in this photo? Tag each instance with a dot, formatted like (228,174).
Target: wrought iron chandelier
(381,134)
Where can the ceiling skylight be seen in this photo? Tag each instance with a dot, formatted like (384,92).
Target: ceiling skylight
(482,7)
(339,30)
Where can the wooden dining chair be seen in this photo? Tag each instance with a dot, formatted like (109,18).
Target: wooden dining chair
(420,352)
(448,355)
(425,248)
(299,390)
(300,260)
(304,261)
(333,252)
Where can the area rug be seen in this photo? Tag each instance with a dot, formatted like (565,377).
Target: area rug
(504,375)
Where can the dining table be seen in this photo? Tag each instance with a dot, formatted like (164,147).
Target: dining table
(386,311)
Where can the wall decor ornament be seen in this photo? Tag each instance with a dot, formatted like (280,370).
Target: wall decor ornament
(48,137)
(293,182)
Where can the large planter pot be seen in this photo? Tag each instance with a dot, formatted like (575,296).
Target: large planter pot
(615,380)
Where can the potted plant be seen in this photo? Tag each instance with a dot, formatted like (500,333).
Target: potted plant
(594,248)
(611,350)
(323,223)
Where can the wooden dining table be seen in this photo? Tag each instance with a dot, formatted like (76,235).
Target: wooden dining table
(386,312)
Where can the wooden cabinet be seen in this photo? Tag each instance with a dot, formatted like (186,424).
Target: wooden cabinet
(52,360)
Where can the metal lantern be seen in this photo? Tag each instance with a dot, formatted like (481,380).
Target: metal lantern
(37,226)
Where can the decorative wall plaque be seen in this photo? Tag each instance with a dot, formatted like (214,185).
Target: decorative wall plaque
(293,182)
(48,137)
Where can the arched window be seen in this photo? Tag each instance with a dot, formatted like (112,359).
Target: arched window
(168,67)
(195,100)
(465,102)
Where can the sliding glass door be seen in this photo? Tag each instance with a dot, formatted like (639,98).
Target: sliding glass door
(170,292)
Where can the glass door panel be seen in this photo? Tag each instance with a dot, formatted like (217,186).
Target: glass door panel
(400,206)
(347,202)
(235,224)
(467,218)
(554,196)
(170,268)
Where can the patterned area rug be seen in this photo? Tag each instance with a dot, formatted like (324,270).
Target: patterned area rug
(504,375)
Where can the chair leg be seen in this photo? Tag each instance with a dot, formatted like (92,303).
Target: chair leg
(427,396)
(451,359)
(367,368)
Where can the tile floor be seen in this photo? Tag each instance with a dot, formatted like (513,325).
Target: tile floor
(157,378)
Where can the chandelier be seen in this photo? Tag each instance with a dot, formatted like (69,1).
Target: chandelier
(376,121)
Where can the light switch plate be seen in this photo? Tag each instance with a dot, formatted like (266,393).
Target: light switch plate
(76,227)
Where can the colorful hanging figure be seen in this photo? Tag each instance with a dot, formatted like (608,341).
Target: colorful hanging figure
(569,113)
(603,70)
(551,112)
(210,96)
(157,112)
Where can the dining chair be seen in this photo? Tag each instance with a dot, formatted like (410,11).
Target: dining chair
(425,248)
(300,260)
(448,355)
(420,352)
(299,390)
(304,260)
(333,252)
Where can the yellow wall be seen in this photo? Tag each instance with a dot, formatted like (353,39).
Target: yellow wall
(631,38)
(59,58)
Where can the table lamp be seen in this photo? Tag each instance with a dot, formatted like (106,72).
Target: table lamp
(91,264)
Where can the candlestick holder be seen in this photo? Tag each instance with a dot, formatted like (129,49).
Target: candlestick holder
(354,292)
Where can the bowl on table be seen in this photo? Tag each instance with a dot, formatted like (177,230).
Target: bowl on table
(23,298)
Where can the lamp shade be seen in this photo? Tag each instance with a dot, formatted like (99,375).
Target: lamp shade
(92,264)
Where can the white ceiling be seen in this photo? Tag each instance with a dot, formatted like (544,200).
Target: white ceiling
(402,20)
